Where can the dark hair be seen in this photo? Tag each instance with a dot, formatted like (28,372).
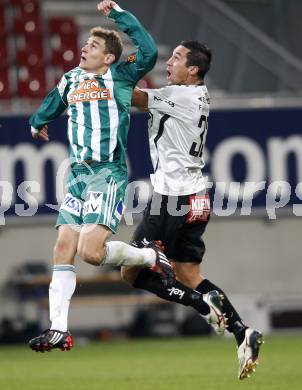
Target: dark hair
(113,42)
(199,55)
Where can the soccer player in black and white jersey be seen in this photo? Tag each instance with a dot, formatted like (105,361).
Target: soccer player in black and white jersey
(178,213)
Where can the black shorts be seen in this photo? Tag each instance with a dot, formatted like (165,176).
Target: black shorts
(182,239)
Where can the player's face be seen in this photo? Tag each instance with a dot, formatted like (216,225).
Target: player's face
(177,71)
(93,55)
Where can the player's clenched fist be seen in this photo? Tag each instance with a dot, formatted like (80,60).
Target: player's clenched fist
(40,134)
(106,6)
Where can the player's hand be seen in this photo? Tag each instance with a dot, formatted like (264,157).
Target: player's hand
(42,134)
(106,6)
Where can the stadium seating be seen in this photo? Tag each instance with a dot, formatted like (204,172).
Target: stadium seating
(35,49)
(3,23)
(31,82)
(64,42)
(5,85)
(62,26)
(27,9)
(27,26)
(27,17)
(65,59)
(4,56)
(30,50)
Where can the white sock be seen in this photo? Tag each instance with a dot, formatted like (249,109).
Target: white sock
(61,289)
(119,253)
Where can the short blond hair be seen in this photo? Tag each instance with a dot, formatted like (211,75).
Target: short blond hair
(113,42)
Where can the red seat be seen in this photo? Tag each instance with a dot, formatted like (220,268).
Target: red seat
(65,52)
(3,20)
(4,56)
(67,58)
(30,51)
(27,26)
(32,82)
(26,8)
(5,84)
(64,42)
(33,59)
(62,26)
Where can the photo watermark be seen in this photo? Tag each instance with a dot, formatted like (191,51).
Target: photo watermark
(228,198)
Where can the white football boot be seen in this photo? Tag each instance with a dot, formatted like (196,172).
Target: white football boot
(248,352)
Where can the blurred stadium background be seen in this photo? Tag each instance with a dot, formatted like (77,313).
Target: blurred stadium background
(255,135)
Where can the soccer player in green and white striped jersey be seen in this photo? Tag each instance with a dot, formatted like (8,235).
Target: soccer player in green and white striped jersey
(97,95)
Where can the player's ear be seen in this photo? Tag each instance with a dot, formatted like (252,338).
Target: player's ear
(109,59)
(193,70)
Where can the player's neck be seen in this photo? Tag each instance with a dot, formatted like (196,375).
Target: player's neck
(102,70)
(193,81)
(99,71)
(197,83)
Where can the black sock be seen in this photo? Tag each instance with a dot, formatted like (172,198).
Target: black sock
(235,323)
(150,281)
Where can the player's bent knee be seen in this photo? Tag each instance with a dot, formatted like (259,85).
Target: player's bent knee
(129,274)
(92,257)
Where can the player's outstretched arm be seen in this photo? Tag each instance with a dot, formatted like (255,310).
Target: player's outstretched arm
(54,104)
(140,99)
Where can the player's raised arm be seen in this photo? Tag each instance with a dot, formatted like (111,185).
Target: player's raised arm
(54,104)
(146,53)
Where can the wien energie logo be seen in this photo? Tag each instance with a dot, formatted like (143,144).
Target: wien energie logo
(87,91)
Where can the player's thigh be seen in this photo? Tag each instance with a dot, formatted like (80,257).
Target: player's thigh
(129,274)
(152,225)
(91,245)
(188,252)
(104,198)
(66,245)
(146,231)
(189,244)
(70,212)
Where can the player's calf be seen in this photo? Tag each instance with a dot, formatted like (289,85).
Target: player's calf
(216,318)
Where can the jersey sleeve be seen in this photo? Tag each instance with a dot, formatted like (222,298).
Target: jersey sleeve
(52,106)
(146,50)
(171,100)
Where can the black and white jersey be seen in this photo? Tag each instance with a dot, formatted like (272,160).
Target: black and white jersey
(177,132)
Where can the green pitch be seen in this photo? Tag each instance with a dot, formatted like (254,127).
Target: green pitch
(176,364)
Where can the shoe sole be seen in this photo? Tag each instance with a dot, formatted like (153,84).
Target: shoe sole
(40,348)
(256,340)
(49,347)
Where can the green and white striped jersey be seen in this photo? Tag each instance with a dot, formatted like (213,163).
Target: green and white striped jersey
(99,105)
